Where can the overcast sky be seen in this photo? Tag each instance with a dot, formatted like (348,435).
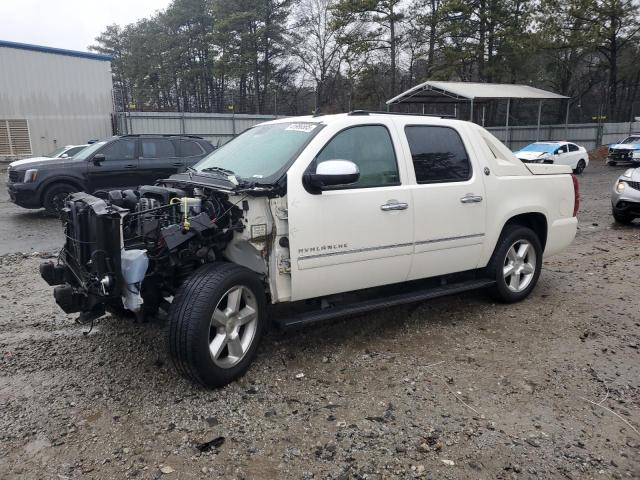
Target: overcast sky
(71,24)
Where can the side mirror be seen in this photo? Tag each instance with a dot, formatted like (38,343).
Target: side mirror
(330,173)
(98,159)
(64,155)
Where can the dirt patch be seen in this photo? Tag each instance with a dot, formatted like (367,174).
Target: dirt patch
(454,388)
(599,154)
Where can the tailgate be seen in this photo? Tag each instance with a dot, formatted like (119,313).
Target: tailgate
(547,168)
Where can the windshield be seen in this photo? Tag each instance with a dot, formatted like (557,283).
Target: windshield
(260,152)
(87,152)
(56,152)
(541,147)
(631,140)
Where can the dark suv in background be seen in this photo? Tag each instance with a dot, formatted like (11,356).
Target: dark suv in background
(125,161)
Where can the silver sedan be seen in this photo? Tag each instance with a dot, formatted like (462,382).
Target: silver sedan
(625,199)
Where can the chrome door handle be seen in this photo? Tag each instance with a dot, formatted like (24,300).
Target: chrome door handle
(471,198)
(387,207)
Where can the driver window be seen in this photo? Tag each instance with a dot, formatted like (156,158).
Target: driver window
(371,149)
(119,150)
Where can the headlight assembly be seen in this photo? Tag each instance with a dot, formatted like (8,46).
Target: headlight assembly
(620,187)
(30,175)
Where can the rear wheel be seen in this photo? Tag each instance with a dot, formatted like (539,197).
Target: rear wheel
(55,196)
(580,167)
(216,321)
(515,264)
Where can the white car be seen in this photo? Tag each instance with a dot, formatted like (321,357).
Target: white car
(627,150)
(559,153)
(67,151)
(334,215)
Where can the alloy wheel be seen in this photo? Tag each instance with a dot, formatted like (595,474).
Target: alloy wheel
(233,326)
(519,265)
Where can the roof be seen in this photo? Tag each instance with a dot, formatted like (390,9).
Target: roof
(57,51)
(359,117)
(453,92)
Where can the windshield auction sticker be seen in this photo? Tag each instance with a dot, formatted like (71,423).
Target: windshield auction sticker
(302,127)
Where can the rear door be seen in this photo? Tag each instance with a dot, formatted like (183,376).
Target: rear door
(158,159)
(119,168)
(353,236)
(448,198)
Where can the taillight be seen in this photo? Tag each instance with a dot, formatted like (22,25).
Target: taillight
(576,195)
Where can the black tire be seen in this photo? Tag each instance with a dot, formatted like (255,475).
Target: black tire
(621,218)
(510,236)
(580,167)
(54,196)
(190,316)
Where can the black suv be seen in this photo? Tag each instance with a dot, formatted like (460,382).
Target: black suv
(125,161)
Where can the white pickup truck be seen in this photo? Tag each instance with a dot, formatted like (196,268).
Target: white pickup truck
(334,215)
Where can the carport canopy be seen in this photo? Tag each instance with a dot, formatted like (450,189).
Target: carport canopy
(431,92)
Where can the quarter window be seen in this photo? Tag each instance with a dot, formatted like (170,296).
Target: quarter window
(573,148)
(371,149)
(438,154)
(190,148)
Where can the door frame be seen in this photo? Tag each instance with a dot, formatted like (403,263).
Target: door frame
(368,271)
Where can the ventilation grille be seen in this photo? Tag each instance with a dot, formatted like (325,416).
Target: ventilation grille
(14,138)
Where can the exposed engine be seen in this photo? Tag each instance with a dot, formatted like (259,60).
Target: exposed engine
(133,248)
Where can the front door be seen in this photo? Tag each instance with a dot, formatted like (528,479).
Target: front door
(449,201)
(119,168)
(353,236)
(561,156)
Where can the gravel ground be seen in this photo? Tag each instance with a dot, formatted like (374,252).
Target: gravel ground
(455,388)
(23,230)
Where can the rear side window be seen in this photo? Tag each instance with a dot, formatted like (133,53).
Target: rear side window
(158,149)
(573,148)
(371,149)
(72,151)
(438,154)
(190,148)
(120,150)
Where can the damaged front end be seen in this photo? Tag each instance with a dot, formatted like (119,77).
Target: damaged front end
(132,249)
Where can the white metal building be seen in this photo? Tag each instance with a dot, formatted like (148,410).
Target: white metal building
(51,97)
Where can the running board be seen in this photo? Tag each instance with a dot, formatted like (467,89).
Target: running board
(317,316)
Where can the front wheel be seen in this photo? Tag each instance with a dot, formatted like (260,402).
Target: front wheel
(516,264)
(580,167)
(55,196)
(216,321)
(622,218)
